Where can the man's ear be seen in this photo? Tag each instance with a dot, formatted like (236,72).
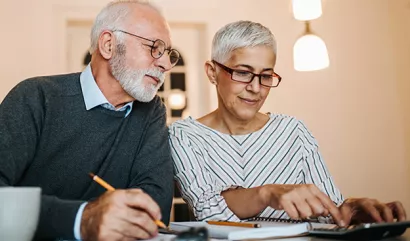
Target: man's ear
(210,71)
(106,44)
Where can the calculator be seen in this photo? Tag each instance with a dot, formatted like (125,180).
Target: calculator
(365,231)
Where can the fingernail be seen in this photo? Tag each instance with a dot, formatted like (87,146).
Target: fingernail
(342,223)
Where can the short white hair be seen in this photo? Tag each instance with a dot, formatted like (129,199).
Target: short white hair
(240,34)
(112,18)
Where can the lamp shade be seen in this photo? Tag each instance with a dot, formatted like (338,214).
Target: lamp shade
(306,10)
(310,53)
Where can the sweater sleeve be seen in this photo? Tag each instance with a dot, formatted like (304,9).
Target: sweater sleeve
(21,121)
(197,185)
(153,167)
(315,170)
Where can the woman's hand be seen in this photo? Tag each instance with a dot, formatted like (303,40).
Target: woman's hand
(366,210)
(301,201)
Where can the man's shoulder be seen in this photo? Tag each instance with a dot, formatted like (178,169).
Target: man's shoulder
(154,107)
(157,102)
(53,84)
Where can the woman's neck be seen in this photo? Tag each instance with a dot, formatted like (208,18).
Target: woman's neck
(227,123)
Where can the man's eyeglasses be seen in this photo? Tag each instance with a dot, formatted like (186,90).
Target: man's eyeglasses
(158,48)
(243,76)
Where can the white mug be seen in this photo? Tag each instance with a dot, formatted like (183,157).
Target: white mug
(19,212)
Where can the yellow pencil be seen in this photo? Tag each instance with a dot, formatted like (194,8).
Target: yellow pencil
(107,186)
(100,181)
(235,224)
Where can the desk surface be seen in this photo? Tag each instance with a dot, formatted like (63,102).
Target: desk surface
(404,237)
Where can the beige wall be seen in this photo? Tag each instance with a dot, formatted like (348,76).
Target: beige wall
(358,108)
(399,21)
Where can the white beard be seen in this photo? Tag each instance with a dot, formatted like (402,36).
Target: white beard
(132,81)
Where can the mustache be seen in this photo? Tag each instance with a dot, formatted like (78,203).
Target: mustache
(157,74)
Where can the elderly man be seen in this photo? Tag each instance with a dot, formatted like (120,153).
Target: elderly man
(106,120)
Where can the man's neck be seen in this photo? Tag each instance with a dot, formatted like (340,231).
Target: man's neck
(109,86)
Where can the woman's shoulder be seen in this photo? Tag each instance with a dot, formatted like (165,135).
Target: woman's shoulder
(288,121)
(283,118)
(187,126)
(302,130)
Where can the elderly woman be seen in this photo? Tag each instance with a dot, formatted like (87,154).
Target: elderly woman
(236,162)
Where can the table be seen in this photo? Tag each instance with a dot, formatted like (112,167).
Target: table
(404,237)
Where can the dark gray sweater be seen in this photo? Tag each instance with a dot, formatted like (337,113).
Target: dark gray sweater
(48,139)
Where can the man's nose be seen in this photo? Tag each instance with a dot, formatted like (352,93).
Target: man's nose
(164,62)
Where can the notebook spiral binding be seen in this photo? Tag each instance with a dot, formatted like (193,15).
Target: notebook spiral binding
(281,220)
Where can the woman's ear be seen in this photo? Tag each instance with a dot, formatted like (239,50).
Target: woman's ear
(106,44)
(210,71)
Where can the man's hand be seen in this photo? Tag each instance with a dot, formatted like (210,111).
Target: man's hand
(365,210)
(301,201)
(120,215)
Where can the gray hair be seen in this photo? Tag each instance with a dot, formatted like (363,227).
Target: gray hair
(111,18)
(240,34)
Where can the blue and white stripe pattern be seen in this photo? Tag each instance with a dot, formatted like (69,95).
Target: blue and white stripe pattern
(207,162)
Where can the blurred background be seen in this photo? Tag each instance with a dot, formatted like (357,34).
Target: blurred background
(358,107)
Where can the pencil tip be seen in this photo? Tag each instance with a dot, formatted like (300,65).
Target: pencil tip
(91,174)
(160,224)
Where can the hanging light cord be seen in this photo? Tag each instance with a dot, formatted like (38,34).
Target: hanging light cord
(307,27)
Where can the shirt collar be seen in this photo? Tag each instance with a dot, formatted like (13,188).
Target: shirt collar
(93,96)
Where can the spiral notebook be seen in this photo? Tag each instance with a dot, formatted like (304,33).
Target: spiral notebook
(270,228)
(280,228)
(321,222)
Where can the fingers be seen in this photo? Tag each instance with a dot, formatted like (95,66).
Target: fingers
(140,219)
(304,201)
(303,207)
(127,229)
(290,209)
(347,213)
(398,210)
(293,201)
(371,210)
(330,208)
(312,206)
(120,215)
(136,198)
(385,212)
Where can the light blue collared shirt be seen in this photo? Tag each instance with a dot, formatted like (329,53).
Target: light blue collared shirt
(93,97)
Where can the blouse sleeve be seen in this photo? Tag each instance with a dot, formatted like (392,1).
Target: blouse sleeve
(198,187)
(315,170)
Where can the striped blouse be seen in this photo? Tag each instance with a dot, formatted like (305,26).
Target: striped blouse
(207,162)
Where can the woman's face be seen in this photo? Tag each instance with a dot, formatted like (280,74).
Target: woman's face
(244,100)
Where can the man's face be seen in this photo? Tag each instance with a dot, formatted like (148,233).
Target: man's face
(133,80)
(139,74)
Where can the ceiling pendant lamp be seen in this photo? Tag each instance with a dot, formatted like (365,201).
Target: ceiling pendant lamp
(310,52)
